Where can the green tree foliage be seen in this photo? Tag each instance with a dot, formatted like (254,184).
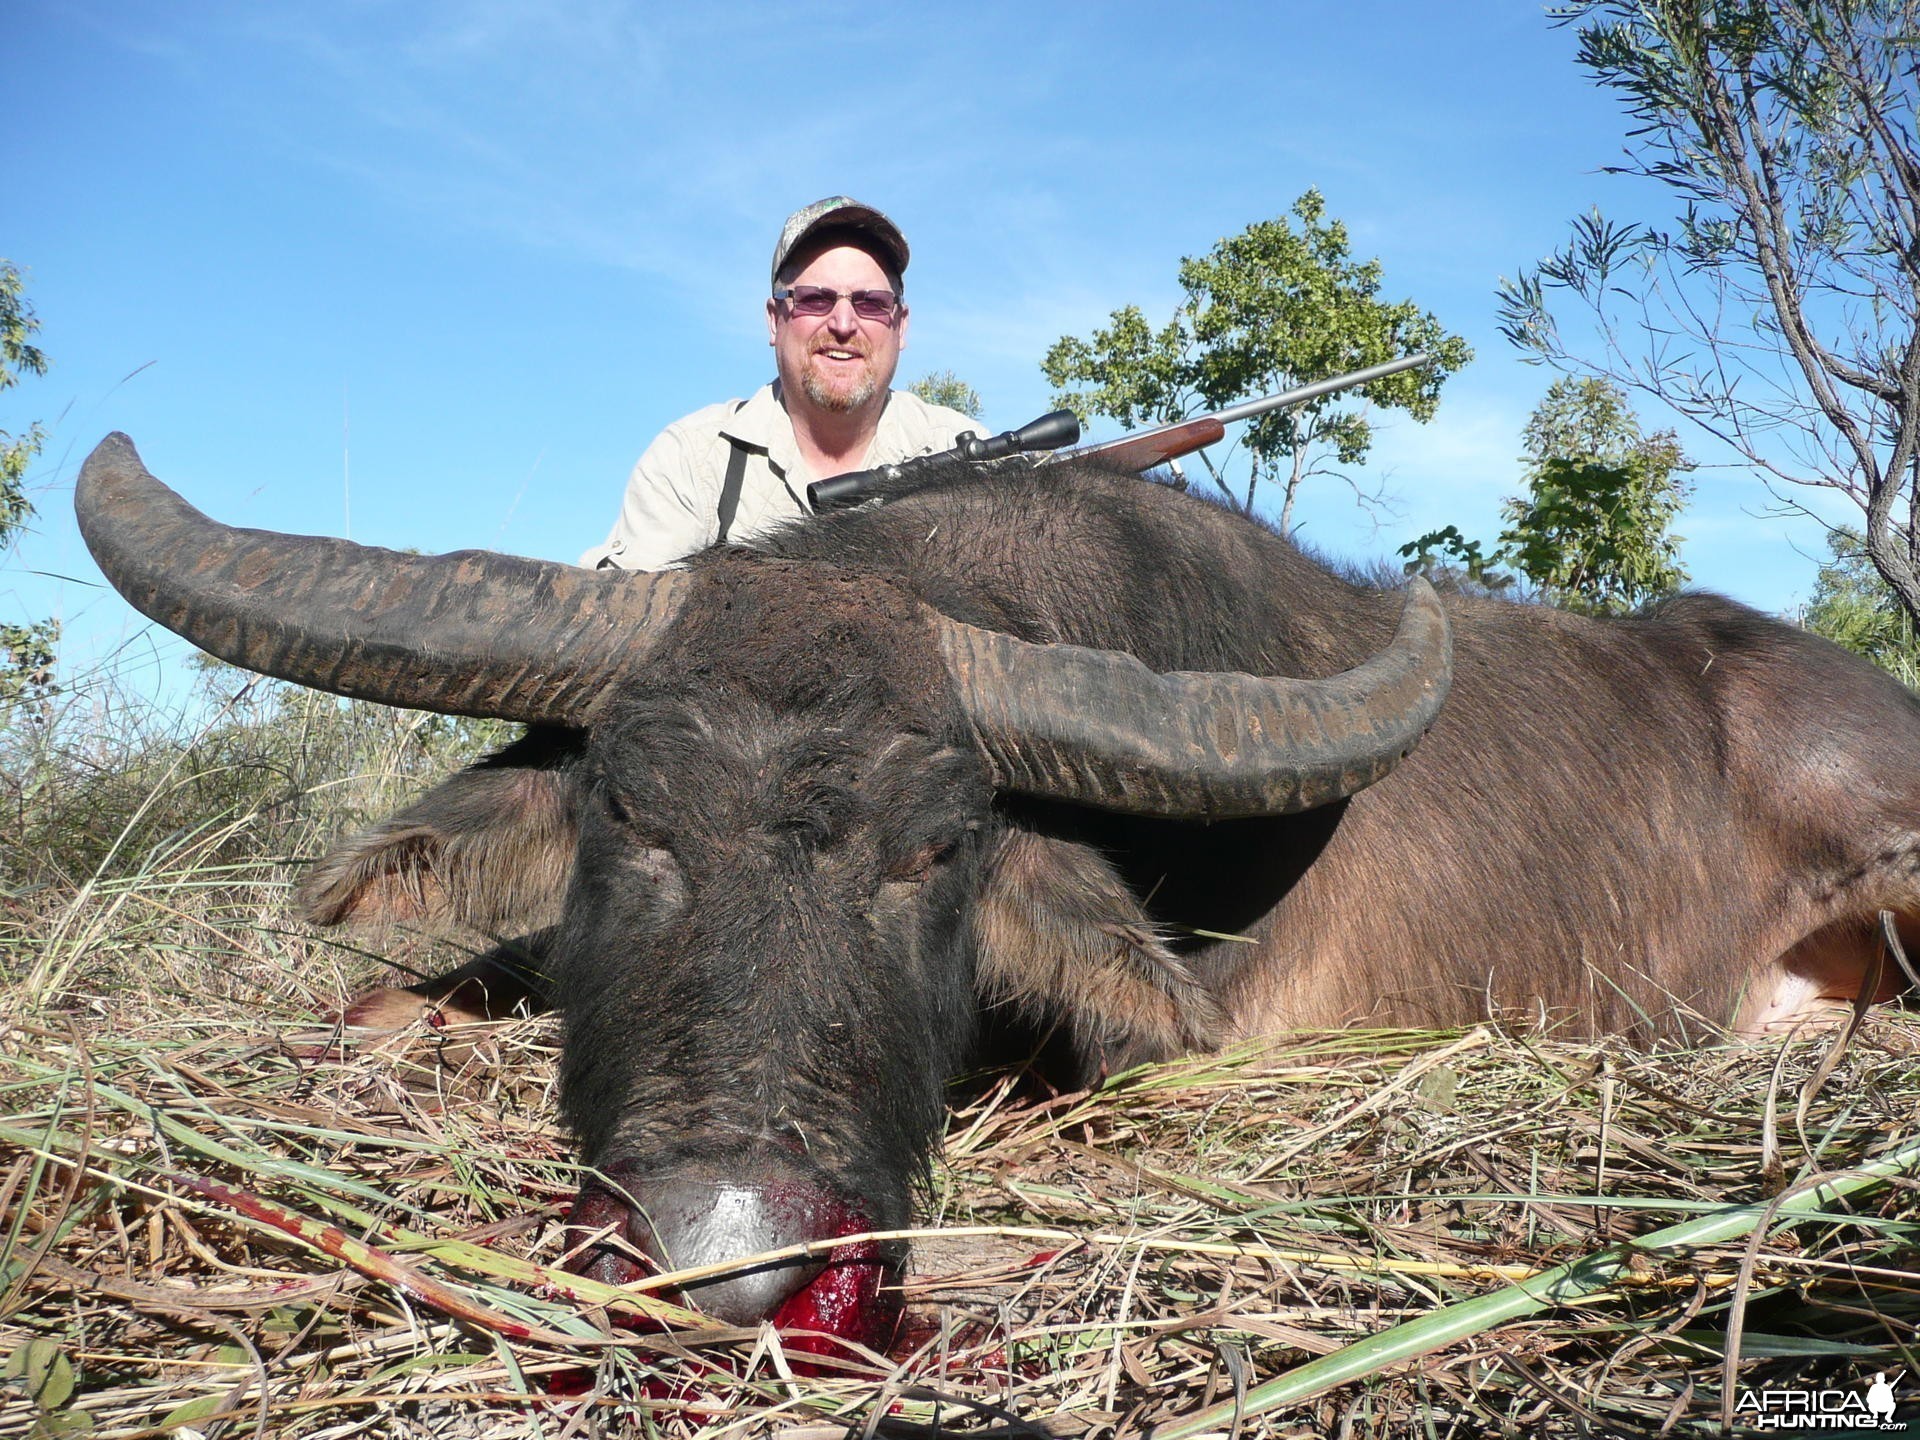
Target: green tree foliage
(1593,537)
(26,651)
(1453,562)
(943,387)
(18,356)
(1782,311)
(1276,306)
(1592,533)
(1853,605)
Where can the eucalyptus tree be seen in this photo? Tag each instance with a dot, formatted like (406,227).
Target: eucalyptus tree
(1781,311)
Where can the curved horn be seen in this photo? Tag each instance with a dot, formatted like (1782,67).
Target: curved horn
(1097,727)
(470,633)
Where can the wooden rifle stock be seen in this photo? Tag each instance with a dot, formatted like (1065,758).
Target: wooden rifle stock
(1140,453)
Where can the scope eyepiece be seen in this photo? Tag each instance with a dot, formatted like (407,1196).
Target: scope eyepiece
(848,489)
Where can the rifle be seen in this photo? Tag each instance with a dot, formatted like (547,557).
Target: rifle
(1137,453)
(1149,448)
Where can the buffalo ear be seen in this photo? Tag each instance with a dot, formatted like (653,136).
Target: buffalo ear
(1062,936)
(490,849)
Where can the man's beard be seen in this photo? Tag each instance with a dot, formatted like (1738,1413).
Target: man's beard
(839,401)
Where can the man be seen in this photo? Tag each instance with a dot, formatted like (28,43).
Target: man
(837,322)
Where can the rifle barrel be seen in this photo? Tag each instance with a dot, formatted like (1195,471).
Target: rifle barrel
(1314,391)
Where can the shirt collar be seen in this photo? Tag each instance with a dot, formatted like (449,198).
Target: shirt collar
(760,421)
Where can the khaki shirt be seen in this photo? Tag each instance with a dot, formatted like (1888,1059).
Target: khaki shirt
(672,504)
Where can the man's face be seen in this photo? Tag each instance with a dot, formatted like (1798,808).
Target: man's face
(838,361)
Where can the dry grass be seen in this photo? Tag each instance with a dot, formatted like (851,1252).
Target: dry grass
(216,1223)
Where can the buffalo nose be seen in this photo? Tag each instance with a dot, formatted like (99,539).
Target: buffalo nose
(708,1213)
(697,1222)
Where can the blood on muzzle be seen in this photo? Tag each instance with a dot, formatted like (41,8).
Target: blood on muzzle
(704,1215)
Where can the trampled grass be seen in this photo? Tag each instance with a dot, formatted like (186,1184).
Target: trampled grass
(216,1220)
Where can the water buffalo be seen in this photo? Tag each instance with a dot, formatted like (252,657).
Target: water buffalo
(789,821)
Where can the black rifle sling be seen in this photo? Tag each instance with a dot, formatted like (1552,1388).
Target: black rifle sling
(730,487)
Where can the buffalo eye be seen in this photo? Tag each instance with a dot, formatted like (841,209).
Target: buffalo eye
(809,832)
(621,811)
(918,866)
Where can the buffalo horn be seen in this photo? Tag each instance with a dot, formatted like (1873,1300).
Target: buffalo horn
(471,633)
(1097,727)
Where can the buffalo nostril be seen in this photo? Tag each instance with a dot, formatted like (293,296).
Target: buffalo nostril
(598,1226)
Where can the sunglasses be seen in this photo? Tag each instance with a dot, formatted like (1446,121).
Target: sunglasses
(818,300)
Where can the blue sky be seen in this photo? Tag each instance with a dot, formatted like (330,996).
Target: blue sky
(432,274)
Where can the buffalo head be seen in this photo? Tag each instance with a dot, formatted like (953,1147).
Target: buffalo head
(760,822)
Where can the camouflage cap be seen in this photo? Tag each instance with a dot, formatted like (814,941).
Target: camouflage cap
(841,211)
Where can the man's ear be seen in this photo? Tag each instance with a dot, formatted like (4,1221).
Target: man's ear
(773,322)
(490,849)
(1061,936)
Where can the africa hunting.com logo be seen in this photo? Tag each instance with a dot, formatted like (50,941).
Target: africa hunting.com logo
(1843,1411)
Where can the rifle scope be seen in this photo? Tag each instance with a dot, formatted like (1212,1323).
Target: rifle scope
(1049,432)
